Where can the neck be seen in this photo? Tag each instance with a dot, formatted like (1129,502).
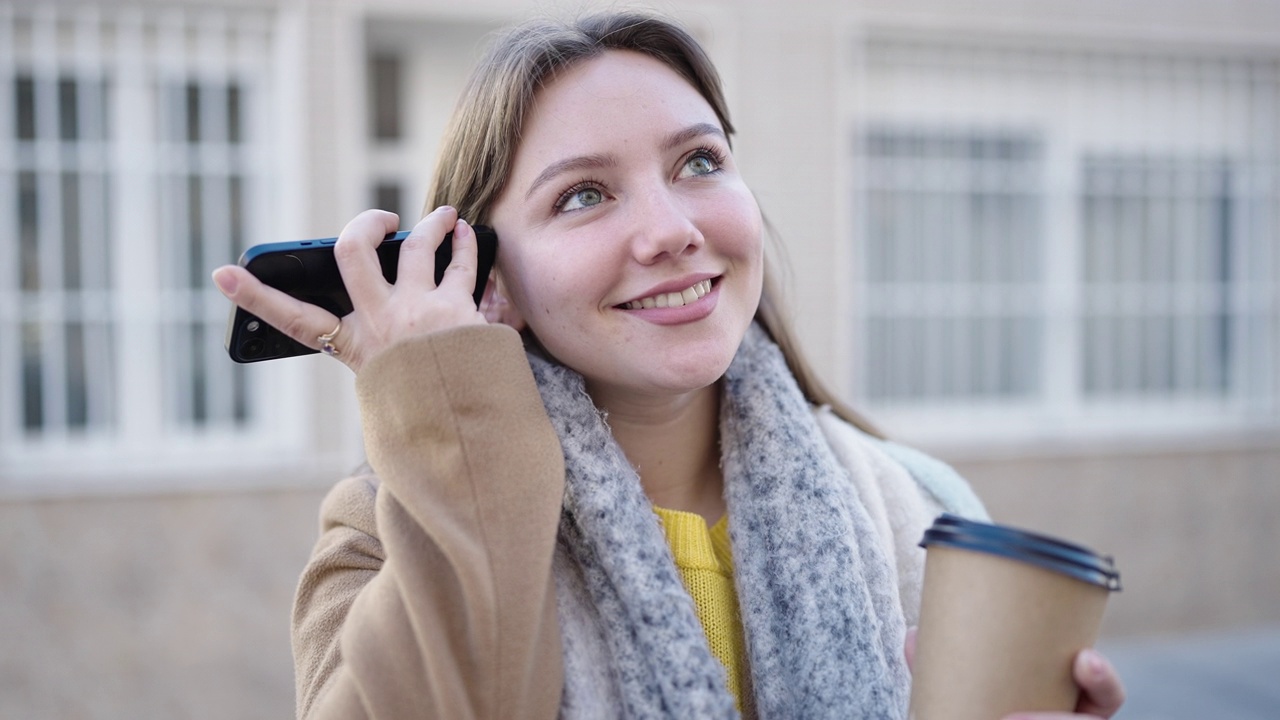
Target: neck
(674,444)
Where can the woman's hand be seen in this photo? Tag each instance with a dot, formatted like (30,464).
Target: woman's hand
(383,313)
(1101,692)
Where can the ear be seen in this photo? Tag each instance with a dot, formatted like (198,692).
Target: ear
(497,307)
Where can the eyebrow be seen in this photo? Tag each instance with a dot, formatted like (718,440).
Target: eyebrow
(595,162)
(681,137)
(582,162)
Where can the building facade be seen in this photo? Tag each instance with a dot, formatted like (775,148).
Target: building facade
(1039,239)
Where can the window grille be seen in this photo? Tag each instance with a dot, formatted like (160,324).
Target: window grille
(1157,243)
(1057,232)
(57,294)
(203,174)
(133,160)
(952,264)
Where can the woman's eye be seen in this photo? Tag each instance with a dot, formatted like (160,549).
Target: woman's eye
(579,198)
(701,163)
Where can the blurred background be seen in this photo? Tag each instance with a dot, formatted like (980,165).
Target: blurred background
(1040,239)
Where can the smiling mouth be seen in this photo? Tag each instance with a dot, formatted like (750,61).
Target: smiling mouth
(671,299)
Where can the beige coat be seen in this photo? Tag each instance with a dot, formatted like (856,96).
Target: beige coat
(398,617)
(430,592)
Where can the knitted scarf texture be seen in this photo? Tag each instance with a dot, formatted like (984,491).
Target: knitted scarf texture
(820,610)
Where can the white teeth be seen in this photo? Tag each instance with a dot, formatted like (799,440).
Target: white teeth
(673,299)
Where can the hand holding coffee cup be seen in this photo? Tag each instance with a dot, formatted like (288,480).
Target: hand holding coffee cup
(1006,616)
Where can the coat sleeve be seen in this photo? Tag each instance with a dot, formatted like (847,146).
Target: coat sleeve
(429,592)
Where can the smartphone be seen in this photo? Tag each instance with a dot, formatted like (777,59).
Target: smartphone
(307,270)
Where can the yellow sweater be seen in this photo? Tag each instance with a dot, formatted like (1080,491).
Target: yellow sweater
(706,565)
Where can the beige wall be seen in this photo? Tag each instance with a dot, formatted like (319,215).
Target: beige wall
(1194,533)
(158,606)
(177,606)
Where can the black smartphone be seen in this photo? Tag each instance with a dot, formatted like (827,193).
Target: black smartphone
(307,270)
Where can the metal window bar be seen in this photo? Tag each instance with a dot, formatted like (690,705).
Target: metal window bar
(55,188)
(45,337)
(10,351)
(202,123)
(92,242)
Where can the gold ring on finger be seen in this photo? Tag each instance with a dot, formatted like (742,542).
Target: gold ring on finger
(326,341)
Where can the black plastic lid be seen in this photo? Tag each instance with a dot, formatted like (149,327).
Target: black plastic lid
(1049,553)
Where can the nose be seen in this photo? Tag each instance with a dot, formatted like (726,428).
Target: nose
(663,227)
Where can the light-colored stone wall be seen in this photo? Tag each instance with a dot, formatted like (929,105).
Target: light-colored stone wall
(151,606)
(177,606)
(1194,532)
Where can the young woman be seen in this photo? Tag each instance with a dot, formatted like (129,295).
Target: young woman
(615,489)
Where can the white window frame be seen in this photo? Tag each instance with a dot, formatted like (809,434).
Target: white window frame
(141,445)
(913,78)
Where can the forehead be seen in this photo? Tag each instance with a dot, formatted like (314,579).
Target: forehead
(616,95)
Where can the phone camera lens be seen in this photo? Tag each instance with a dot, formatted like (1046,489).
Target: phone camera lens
(252,326)
(253,348)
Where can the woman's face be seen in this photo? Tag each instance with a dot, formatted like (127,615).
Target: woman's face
(629,243)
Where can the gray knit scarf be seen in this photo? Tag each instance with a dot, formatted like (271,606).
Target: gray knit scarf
(820,611)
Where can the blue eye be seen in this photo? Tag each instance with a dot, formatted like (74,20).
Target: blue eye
(702,162)
(578,197)
(700,165)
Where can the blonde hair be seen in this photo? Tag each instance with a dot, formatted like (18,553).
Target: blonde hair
(484,132)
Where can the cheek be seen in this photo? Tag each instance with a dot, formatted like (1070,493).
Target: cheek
(744,230)
(534,286)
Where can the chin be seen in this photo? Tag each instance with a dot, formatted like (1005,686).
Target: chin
(697,373)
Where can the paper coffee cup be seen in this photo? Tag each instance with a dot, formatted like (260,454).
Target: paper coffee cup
(1003,614)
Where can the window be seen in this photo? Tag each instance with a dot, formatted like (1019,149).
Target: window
(952,265)
(385,90)
(1066,239)
(202,183)
(415,70)
(134,158)
(389,196)
(59,309)
(1156,237)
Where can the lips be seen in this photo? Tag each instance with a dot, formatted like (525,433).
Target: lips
(671,299)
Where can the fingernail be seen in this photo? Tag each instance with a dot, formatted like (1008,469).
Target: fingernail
(225,280)
(443,208)
(462,226)
(1097,666)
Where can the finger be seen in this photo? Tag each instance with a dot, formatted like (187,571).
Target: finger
(461,273)
(417,265)
(1101,692)
(356,253)
(909,648)
(299,320)
(1051,716)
